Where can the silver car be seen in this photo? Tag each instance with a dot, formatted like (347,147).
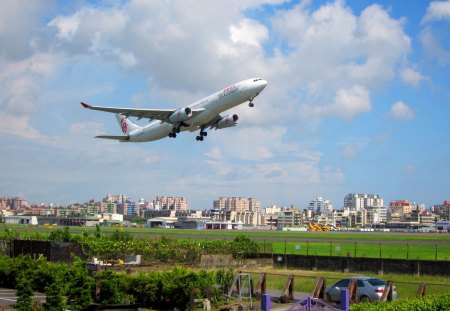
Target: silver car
(369,289)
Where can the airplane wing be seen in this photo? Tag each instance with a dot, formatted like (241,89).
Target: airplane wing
(211,124)
(159,114)
(120,137)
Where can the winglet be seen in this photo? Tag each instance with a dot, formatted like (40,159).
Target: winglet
(85,105)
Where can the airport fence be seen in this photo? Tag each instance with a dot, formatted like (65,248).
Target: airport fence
(409,251)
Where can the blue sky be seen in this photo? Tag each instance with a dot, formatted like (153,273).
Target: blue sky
(358,99)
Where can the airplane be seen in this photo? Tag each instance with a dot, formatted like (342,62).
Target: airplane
(199,115)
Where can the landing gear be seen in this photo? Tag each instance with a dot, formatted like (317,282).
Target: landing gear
(250,101)
(175,131)
(202,134)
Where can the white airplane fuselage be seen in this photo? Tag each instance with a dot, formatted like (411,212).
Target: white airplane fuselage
(212,106)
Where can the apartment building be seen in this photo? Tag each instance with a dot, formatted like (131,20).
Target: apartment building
(237,204)
(356,202)
(171,203)
(116,198)
(290,218)
(320,206)
(13,203)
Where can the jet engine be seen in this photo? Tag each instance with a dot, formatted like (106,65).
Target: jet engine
(227,121)
(180,115)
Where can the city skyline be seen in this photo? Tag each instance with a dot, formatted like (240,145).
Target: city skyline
(357,99)
(225,201)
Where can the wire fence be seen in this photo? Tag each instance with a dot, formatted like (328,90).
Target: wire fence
(369,250)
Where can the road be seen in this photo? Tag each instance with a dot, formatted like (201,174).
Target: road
(8,298)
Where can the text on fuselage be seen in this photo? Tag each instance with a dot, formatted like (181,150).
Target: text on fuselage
(228,91)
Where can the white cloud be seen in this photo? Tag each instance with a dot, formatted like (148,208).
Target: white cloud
(347,103)
(350,102)
(351,148)
(433,46)
(249,32)
(437,10)
(20,27)
(66,27)
(333,176)
(401,111)
(251,143)
(412,77)
(19,126)
(349,151)
(214,153)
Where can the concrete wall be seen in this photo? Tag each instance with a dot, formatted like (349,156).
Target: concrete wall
(227,261)
(361,265)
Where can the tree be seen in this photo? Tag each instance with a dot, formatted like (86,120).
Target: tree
(98,233)
(24,293)
(224,278)
(138,220)
(121,235)
(110,293)
(243,247)
(54,300)
(61,235)
(80,286)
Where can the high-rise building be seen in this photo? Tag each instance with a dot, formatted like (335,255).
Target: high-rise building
(13,203)
(171,203)
(116,198)
(320,206)
(356,202)
(237,204)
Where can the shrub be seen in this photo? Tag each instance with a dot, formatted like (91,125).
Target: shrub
(243,247)
(427,303)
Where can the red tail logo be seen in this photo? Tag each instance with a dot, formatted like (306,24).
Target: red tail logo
(123,124)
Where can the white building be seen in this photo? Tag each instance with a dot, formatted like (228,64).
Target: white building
(21,220)
(272,210)
(376,215)
(443,225)
(320,206)
(356,202)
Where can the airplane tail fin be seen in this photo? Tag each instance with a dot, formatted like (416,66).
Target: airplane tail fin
(125,124)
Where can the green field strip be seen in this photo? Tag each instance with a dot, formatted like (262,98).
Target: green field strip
(260,235)
(388,251)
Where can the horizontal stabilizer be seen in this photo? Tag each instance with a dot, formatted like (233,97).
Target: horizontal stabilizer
(121,137)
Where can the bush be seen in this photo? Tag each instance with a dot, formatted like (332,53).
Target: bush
(427,303)
(243,247)
(165,290)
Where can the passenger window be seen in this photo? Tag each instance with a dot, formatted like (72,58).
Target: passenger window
(343,283)
(360,283)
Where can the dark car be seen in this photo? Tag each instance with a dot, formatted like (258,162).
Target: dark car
(369,289)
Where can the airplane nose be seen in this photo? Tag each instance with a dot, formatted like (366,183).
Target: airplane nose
(263,84)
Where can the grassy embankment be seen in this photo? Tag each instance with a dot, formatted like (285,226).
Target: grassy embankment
(423,246)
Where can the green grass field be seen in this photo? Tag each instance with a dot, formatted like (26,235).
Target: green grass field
(377,250)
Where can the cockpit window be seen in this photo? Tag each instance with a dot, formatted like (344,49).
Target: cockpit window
(257,80)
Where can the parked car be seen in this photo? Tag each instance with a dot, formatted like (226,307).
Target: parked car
(369,289)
